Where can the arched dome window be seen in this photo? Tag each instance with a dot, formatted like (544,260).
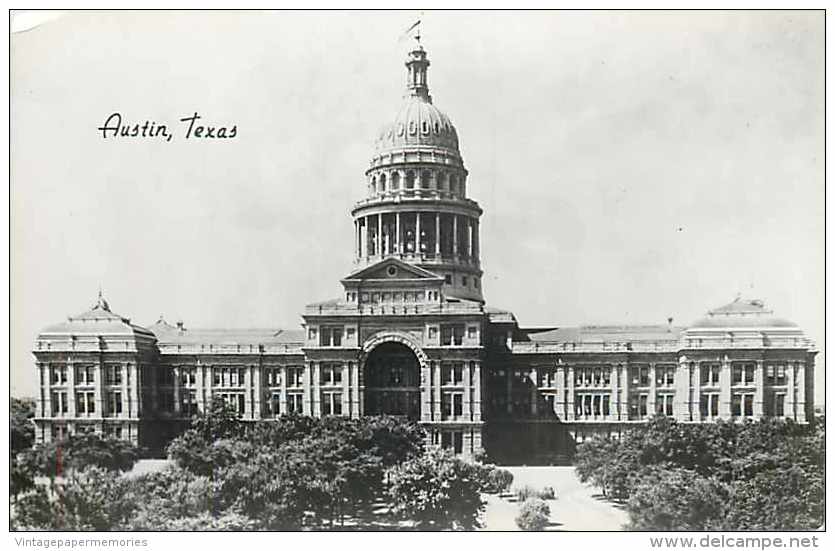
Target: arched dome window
(453,184)
(442,181)
(424,179)
(395,180)
(373,185)
(424,128)
(382,182)
(410,180)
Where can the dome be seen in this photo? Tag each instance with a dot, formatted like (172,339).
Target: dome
(742,313)
(418,123)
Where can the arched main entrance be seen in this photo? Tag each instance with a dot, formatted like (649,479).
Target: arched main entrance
(392,381)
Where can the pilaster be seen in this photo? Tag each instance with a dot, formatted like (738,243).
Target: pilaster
(725,389)
(759,393)
(477,382)
(800,369)
(436,389)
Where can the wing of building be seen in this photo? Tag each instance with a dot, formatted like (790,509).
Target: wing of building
(410,335)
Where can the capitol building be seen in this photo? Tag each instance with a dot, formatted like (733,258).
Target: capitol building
(412,335)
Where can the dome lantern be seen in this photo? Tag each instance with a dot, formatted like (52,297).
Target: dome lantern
(417,85)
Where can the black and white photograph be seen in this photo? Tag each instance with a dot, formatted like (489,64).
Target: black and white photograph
(417,270)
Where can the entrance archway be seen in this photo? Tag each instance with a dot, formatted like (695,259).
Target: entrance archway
(392,381)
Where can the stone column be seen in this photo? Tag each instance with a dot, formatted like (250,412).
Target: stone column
(614,401)
(71,412)
(282,397)
(307,392)
(98,382)
(569,395)
(258,387)
(534,393)
(653,395)
(475,239)
(399,241)
(725,389)
(466,402)
(379,250)
(177,381)
(800,383)
(697,391)
(45,402)
(248,397)
(476,405)
(137,389)
(759,393)
(417,233)
(437,234)
(788,407)
(359,386)
(317,394)
(681,401)
(625,392)
(455,235)
(436,387)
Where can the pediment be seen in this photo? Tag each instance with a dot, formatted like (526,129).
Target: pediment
(392,269)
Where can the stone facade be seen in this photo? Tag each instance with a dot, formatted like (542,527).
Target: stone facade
(411,335)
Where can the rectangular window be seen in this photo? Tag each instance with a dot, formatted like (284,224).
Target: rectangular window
(295,377)
(596,405)
(452,373)
(664,405)
(749,374)
(736,374)
(606,404)
(781,375)
(748,405)
(704,400)
(115,403)
(331,403)
(113,374)
(188,403)
(295,404)
(59,402)
(472,332)
(736,405)
(331,375)
(644,376)
(642,406)
(779,404)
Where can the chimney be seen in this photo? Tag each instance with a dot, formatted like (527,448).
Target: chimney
(669,324)
(180,325)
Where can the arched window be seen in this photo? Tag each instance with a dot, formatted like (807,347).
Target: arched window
(373,185)
(382,182)
(395,180)
(442,181)
(453,184)
(410,180)
(424,179)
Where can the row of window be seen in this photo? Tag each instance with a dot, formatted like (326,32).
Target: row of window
(85,402)
(395,297)
(86,374)
(425,179)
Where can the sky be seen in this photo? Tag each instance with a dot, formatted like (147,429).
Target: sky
(632,166)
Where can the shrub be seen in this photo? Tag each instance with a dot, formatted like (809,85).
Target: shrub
(528,492)
(533,515)
(499,480)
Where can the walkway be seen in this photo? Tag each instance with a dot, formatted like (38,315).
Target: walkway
(577,508)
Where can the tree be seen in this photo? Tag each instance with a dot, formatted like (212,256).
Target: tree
(92,498)
(437,491)
(674,498)
(21,426)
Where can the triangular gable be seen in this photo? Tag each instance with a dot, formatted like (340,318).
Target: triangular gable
(392,269)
